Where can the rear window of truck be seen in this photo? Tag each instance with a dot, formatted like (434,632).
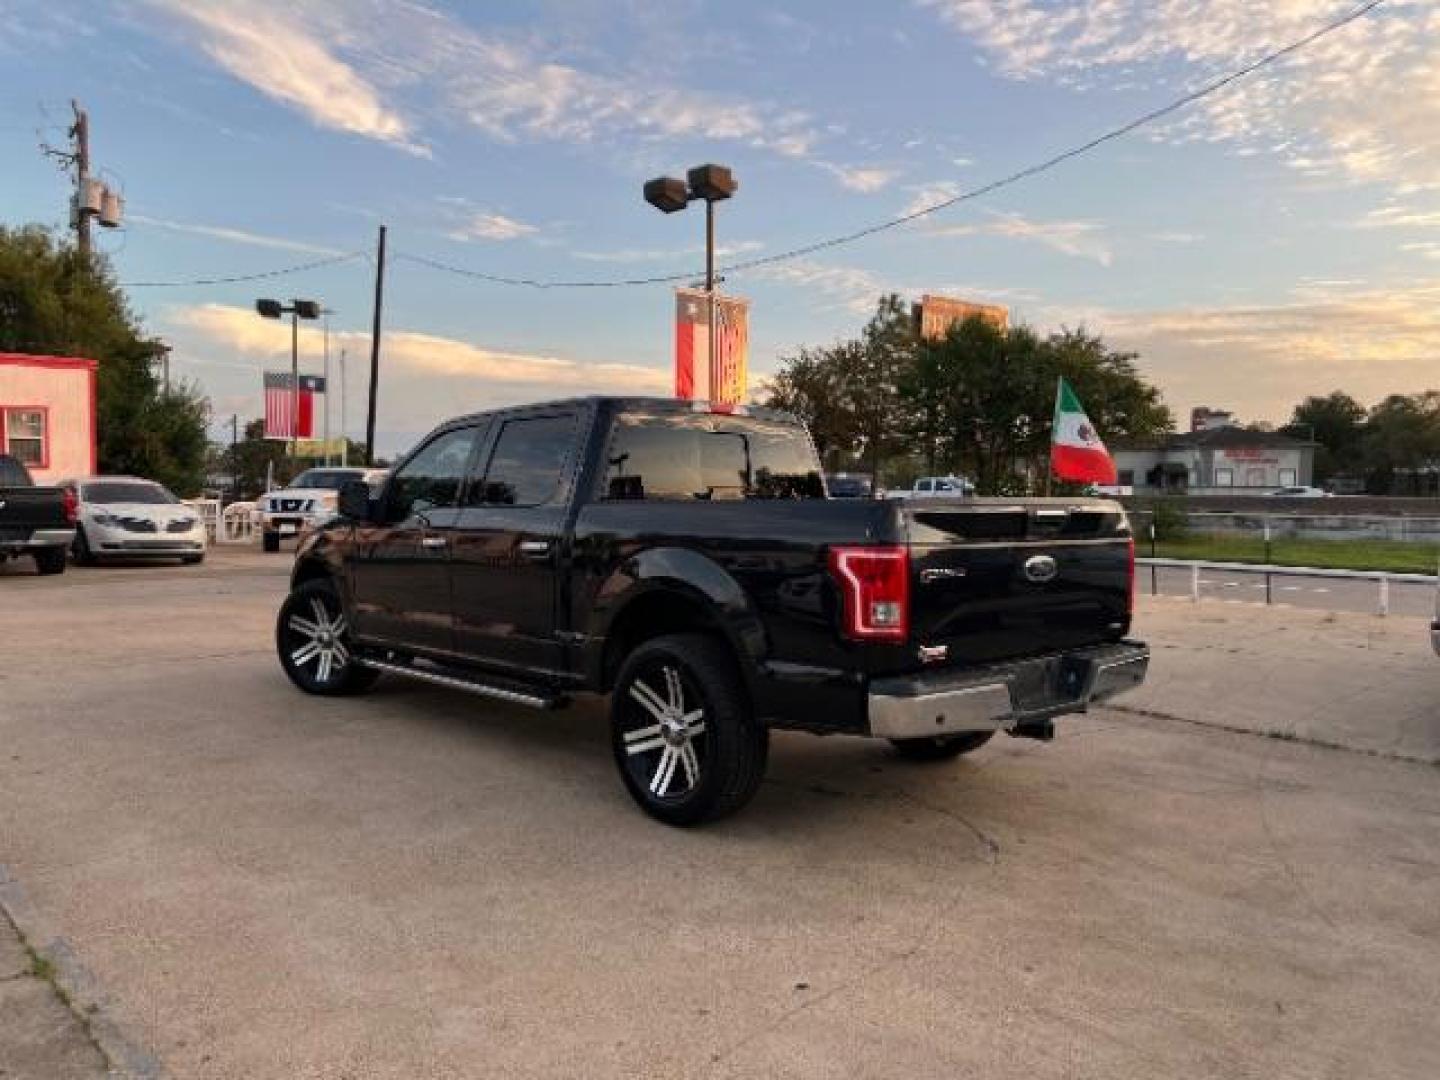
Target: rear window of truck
(707,456)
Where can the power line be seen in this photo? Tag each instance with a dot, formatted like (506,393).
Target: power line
(965,196)
(539,283)
(315,265)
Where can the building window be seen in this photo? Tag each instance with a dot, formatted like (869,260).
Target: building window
(1287,477)
(1126,478)
(1224,477)
(27,436)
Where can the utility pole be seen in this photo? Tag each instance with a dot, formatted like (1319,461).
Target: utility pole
(234,455)
(375,350)
(80,136)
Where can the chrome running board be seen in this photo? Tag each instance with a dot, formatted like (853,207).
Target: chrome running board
(456,682)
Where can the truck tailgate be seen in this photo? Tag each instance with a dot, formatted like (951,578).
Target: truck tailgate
(994,581)
(25,509)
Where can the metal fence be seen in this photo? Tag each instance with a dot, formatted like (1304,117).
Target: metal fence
(1269,572)
(1325,539)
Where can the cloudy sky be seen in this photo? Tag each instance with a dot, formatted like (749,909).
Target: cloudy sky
(1278,239)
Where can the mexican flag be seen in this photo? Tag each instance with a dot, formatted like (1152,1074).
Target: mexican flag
(1076,452)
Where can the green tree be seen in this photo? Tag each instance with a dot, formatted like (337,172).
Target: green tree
(848,393)
(1336,422)
(53,301)
(1402,437)
(982,399)
(809,386)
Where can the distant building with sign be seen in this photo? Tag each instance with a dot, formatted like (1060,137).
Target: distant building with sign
(934,315)
(1204,418)
(1224,460)
(47,414)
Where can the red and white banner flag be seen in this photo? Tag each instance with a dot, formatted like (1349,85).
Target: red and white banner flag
(282,421)
(728,382)
(1076,452)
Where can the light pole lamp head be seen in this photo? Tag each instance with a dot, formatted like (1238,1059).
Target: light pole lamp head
(666,193)
(270,309)
(712,182)
(307,309)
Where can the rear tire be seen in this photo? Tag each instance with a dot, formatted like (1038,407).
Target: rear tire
(191,560)
(685,738)
(83,555)
(270,542)
(312,637)
(51,560)
(941,747)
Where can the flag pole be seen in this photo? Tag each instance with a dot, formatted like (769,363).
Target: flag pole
(1054,419)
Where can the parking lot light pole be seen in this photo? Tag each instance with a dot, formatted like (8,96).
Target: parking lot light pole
(669,194)
(297,310)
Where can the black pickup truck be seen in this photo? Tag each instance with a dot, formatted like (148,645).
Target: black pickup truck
(34,521)
(689,564)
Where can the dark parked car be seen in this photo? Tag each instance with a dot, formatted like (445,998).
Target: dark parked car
(688,564)
(34,521)
(848,486)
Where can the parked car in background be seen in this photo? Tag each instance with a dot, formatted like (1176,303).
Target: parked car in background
(307,501)
(689,565)
(133,518)
(1300,493)
(34,521)
(938,487)
(848,486)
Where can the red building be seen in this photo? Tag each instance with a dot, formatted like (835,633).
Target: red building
(48,414)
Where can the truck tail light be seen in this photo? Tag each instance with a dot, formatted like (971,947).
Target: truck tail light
(1130,593)
(72,506)
(875,588)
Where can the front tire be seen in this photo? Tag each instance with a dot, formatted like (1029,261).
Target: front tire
(312,636)
(685,738)
(191,560)
(51,560)
(941,747)
(270,542)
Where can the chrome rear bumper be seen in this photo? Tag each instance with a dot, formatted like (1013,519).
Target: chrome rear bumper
(1007,695)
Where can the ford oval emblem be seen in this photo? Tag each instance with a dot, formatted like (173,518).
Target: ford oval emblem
(1041,568)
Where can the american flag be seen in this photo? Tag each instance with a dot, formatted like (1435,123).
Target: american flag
(280,419)
(727,384)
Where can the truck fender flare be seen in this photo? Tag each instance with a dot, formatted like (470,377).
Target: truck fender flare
(686,573)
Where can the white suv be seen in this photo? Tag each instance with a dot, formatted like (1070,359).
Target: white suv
(310,500)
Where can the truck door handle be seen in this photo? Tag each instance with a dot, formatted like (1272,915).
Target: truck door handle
(433,541)
(534,549)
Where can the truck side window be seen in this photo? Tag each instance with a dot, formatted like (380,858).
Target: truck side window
(530,462)
(431,479)
(710,458)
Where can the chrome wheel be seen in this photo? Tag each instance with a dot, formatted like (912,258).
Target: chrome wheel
(312,637)
(662,738)
(319,640)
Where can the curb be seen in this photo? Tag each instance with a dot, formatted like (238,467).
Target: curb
(78,987)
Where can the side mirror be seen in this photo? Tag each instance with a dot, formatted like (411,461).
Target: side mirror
(355,500)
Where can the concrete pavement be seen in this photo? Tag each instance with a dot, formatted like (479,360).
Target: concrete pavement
(419,884)
(40,1037)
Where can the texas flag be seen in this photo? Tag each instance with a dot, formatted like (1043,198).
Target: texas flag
(1076,452)
(282,421)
